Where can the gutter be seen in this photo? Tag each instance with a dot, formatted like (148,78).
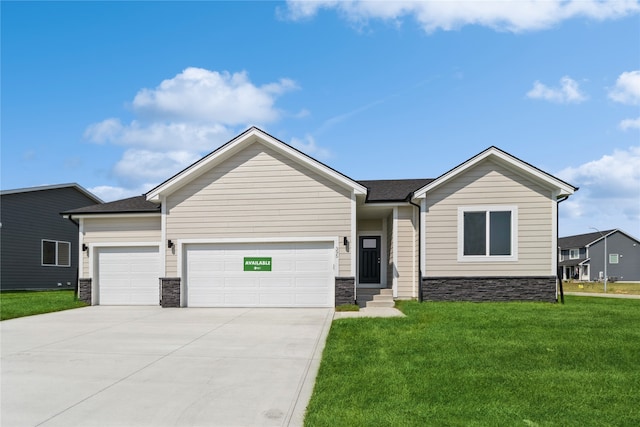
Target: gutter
(419,247)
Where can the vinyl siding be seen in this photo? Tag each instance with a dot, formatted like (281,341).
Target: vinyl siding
(406,247)
(259,193)
(365,225)
(490,184)
(28,218)
(119,230)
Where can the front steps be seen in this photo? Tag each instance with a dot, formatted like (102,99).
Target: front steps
(374,297)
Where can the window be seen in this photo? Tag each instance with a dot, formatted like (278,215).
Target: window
(487,233)
(613,258)
(574,253)
(56,254)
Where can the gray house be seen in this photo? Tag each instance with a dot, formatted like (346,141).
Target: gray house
(582,257)
(39,247)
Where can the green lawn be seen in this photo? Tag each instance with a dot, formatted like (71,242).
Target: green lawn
(484,364)
(612,287)
(27,303)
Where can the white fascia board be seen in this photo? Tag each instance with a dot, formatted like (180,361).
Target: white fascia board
(506,160)
(113,215)
(235,145)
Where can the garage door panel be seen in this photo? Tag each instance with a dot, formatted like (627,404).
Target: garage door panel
(296,267)
(128,275)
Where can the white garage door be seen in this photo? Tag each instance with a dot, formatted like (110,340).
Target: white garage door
(260,275)
(128,276)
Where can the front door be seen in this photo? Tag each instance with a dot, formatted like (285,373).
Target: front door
(369,270)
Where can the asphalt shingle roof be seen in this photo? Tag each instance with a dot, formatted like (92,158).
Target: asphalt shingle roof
(137,204)
(393,190)
(581,240)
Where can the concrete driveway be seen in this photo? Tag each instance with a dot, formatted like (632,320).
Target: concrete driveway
(148,366)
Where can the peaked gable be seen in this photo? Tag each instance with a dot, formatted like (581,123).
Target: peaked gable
(507,160)
(250,136)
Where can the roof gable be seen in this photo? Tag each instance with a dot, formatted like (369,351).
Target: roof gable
(507,160)
(234,146)
(588,239)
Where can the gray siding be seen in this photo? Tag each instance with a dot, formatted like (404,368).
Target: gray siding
(628,250)
(28,218)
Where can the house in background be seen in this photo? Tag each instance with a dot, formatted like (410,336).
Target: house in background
(257,223)
(39,248)
(582,256)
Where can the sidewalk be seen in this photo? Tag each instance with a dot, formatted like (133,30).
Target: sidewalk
(593,294)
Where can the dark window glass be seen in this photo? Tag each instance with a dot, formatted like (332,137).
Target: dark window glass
(500,233)
(64,254)
(475,233)
(48,253)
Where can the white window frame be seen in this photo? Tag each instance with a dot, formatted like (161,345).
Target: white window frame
(488,258)
(614,258)
(57,255)
(571,252)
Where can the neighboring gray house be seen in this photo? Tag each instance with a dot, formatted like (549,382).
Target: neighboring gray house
(582,256)
(39,248)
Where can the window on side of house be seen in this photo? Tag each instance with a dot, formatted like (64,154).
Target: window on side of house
(56,253)
(487,233)
(574,253)
(613,258)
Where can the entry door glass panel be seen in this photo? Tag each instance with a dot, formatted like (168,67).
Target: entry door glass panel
(369,248)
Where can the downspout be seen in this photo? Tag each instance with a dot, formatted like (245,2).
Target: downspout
(419,247)
(558,276)
(76,286)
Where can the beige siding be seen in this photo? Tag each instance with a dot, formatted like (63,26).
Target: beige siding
(119,230)
(365,225)
(407,249)
(489,184)
(259,193)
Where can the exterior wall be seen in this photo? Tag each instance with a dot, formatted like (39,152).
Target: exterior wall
(407,252)
(259,193)
(628,250)
(489,289)
(118,230)
(391,268)
(345,291)
(365,225)
(28,218)
(489,183)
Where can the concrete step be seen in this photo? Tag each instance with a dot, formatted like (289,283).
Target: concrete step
(371,304)
(365,295)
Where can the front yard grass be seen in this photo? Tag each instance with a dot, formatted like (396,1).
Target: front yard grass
(27,303)
(484,364)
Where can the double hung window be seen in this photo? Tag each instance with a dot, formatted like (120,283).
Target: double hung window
(56,254)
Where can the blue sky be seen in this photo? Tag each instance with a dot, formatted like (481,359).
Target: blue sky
(118,96)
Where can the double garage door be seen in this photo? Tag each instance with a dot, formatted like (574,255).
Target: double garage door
(260,275)
(299,274)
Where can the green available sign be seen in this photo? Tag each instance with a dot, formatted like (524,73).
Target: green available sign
(257,264)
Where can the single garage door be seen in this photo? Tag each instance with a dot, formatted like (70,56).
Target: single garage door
(128,275)
(260,275)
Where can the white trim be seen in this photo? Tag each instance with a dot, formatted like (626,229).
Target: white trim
(488,258)
(555,251)
(394,236)
(423,237)
(114,215)
(163,236)
(505,159)
(249,137)
(354,235)
(414,220)
(80,251)
(384,256)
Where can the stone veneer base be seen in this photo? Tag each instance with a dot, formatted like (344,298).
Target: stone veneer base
(489,289)
(170,292)
(345,290)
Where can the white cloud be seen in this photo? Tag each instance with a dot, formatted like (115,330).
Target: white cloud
(627,88)
(308,145)
(181,119)
(627,124)
(109,193)
(609,194)
(568,92)
(207,96)
(506,15)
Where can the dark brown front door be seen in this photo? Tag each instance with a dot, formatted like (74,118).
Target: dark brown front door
(369,247)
